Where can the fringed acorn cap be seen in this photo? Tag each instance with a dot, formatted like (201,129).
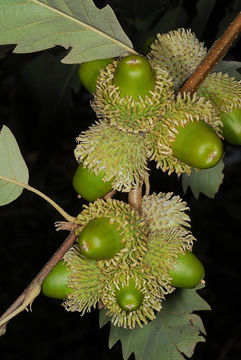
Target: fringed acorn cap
(179,52)
(184,109)
(146,284)
(119,154)
(126,113)
(163,249)
(85,279)
(223,91)
(162,211)
(132,229)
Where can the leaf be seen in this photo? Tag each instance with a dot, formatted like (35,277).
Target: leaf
(232,68)
(12,165)
(173,334)
(206,181)
(90,33)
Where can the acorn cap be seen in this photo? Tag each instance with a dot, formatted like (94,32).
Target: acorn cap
(223,91)
(184,109)
(162,211)
(126,113)
(85,279)
(132,228)
(146,283)
(179,52)
(163,248)
(119,154)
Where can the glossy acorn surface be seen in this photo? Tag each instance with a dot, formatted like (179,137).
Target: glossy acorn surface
(187,272)
(129,298)
(134,76)
(232,126)
(55,284)
(100,239)
(89,185)
(89,72)
(197,145)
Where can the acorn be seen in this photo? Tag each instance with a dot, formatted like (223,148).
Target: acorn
(132,297)
(224,92)
(131,94)
(119,156)
(114,222)
(163,247)
(179,52)
(188,135)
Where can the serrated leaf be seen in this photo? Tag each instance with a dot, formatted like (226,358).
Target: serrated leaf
(12,165)
(173,334)
(205,181)
(232,68)
(89,32)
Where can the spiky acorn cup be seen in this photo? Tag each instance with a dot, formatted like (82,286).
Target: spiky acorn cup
(145,283)
(163,211)
(126,113)
(184,110)
(86,280)
(169,234)
(119,154)
(94,281)
(179,52)
(132,229)
(224,92)
(164,246)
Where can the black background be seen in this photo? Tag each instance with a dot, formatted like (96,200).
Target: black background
(46,136)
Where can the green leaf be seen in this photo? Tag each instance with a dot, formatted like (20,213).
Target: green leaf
(90,33)
(232,68)
(12,165)
(205,181)
(173,334)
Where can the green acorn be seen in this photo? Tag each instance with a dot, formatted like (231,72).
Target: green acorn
(224,92)
(89,72)
(187,271)
(134,77)
(122,157)
(163,211)
(163,247)
(90,185)
(132,297)
(130,99)
(179,52)
(121,222)
(176,141)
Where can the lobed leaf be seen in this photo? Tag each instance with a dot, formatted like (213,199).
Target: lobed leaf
(172,335)
(90,33)
(205,181)
(12,165)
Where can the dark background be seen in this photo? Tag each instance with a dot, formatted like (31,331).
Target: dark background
(45,107)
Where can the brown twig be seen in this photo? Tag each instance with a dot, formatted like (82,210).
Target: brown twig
(135,198)
(34,288)
(216,53)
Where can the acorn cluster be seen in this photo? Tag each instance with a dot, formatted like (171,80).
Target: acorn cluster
(126,261)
